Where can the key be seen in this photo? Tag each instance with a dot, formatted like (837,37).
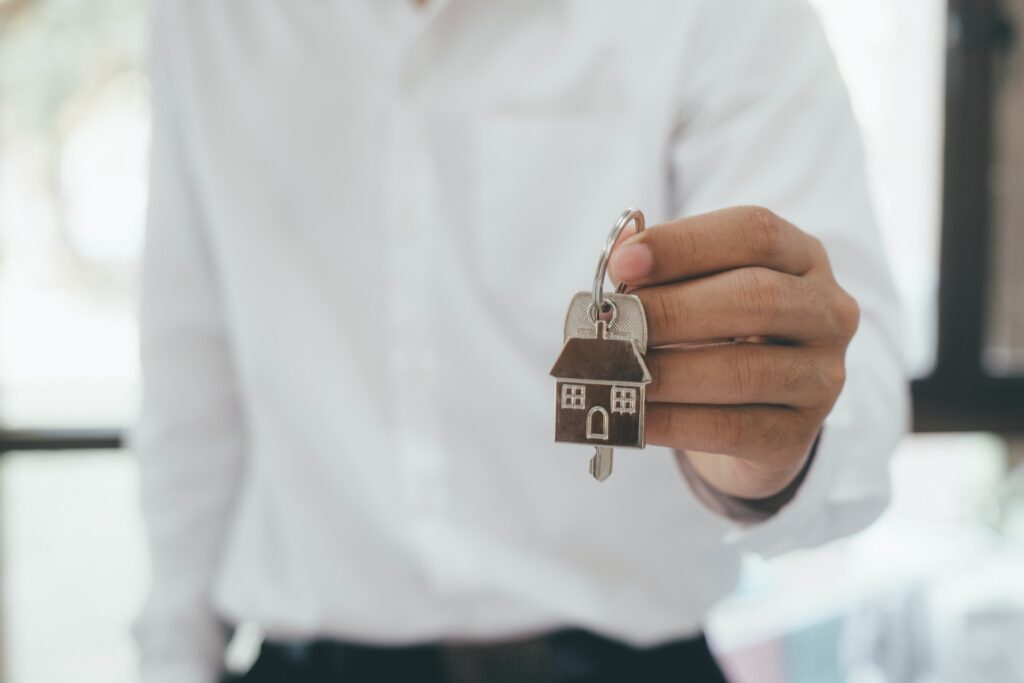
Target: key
(601,377)
(601,464)
(601,384)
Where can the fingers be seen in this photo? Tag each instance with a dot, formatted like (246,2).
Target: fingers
(714,242)
(746,302)
(624,237)
(758,433)
(745,373)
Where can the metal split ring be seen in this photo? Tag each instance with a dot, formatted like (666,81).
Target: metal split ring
(630,215)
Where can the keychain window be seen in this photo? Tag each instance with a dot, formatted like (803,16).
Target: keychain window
(574,396)
(623,400)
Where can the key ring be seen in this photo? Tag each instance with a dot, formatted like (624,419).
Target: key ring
(630,215)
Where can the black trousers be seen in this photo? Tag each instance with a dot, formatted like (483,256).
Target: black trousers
(570,656)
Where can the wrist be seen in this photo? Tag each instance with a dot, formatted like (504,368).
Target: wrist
(744,500)
(739,478)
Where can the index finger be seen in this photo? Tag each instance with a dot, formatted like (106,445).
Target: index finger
(714,242)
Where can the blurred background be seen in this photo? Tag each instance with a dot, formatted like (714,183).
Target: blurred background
(932,592)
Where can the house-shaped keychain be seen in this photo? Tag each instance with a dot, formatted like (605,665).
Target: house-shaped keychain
(600,390)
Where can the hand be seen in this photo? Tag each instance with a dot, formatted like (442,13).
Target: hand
(749,331)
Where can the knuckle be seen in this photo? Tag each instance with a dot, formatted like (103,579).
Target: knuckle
(802,371)
(835,376)
(763,377)
(820,307)
(763,295)
(817,248)
(827,379)
(663,310)
(764,231)
(847,313)
(746,376)
(820,297)
(818,376)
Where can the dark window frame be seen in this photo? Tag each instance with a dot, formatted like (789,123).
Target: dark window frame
(960,394)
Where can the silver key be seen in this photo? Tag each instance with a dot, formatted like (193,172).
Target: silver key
(601,464)
(601,374)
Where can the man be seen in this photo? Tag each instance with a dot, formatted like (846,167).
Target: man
(367,220)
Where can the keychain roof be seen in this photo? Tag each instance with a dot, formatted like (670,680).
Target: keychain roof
(601,359)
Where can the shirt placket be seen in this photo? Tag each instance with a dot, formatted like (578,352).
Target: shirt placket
(416,348)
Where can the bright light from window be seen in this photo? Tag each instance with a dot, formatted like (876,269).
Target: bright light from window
(892,55)
(74,129)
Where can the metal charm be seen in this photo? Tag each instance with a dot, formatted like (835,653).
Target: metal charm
(601,376)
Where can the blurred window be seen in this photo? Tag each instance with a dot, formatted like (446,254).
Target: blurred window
(1004,345)
(73,141)
(892,55)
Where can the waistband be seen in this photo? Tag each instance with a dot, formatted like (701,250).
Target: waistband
(564,656)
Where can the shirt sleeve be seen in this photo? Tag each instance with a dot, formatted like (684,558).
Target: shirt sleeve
(765,119)
(189,440)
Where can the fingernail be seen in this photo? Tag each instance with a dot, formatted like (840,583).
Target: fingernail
(631,262)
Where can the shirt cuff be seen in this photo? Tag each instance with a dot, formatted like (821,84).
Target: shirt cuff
(743,511)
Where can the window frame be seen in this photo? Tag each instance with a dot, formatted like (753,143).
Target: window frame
(961,394)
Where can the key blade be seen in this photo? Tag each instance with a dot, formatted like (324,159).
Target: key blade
(601,464)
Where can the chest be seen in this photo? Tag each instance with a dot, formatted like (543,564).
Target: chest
(499,136)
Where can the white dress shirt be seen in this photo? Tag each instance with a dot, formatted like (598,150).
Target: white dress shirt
(366,223)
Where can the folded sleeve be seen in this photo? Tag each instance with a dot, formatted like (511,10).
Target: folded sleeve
(189,440)
(764,119)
